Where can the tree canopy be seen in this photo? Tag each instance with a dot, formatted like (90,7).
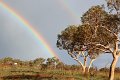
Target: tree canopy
(98,33)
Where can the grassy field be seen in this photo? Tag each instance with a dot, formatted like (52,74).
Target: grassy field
(27,73)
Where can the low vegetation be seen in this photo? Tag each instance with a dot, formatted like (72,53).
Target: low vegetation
(50,69)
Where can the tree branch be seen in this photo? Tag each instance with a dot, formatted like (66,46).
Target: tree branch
(119,53)
(118,40)
(78,54)
(105,47)
(83,54)
(115,49)
(75,58)
(104,50)
(110,32)
(90,64)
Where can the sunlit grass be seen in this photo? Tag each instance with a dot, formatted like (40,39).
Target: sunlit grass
(54,73)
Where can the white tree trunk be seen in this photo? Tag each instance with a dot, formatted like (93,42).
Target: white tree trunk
(90,65)
(82,64)
(85,64)
(112,67)
(84,69)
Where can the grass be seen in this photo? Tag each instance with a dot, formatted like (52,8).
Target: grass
(27,73)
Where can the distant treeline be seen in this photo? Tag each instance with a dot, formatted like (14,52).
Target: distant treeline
(49,63)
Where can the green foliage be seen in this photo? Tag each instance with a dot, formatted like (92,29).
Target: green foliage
(66,38)
(39,61)
(99,29)
(94,15)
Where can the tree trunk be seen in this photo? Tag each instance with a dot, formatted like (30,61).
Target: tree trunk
(84,66)
(90,64)
(76,59)
(84,69)
(112,67)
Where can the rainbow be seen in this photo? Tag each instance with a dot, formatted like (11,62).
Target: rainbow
(29,27)
(66,5)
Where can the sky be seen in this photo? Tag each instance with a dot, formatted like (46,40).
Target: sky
(48,18)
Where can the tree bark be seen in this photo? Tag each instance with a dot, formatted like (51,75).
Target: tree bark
(112,67)
(90,64)
(84,69)
(84,66)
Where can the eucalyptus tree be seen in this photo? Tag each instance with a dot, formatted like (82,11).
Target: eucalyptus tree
(55,61)
(7,60)
(99,33)
(111,25)
(52,62)
(106,31)
(80,41)
(114,6)
(38,62)
(72,39)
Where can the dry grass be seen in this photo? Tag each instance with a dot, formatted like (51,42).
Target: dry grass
(26,73)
